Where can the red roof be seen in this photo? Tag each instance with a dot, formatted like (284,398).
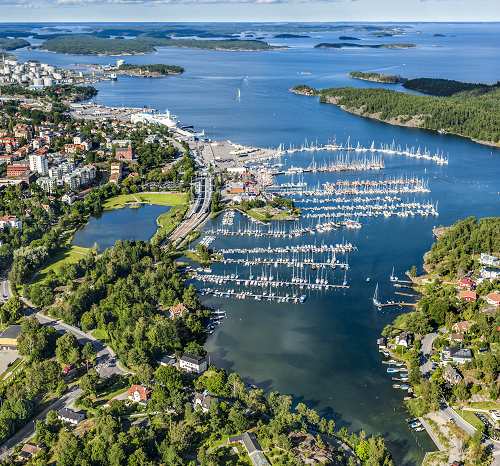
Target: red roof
(144,392)
(468,295)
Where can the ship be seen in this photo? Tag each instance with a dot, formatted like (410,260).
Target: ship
(167,119)
(113,77)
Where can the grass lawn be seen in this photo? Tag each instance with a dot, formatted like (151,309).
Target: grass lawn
(74,254)
(116,202)
(495,405)
(99,334)
(169,220)
(161,198)
(470,417)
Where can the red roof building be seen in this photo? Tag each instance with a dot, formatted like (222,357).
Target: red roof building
(493,299)
(178,310)
(467,283)
(461,327)
(139,393)
(468,295)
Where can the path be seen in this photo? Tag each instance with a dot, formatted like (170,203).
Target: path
(432,435)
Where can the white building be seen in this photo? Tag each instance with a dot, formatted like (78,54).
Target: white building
(68,415)
(39,164)
(68,198)
(56,172)
(11,221)
(72,180)
(193,363)
(47,183)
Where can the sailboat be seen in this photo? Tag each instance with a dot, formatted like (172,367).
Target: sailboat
(376,301)
(239,95)
(393,277)
(345,279)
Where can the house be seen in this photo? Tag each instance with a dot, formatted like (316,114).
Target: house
(451,375)
(193,363)
(492,298)
(127,153)
(11,221)
(178,310)
(8,338)
(461,327)
(139,393)
(68,198)
(203,400)
(166,360)
(108,403)
(403,339)
(382,343)
(252,447)
(28,451)
(467,283)
(468,295)
(456,337)
(71,416)
(456,355)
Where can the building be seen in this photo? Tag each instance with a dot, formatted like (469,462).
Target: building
(28,451)
(461,327)
(8,338)
(467,295)
(486,259)
(79,138)
(404,339)
(203,400)
(71,416)
(68,198)
(27,177)
(252,447)
(178,310)
(193,363)
(467,283)
(455,355)
(39,164)
(16,169)
(47,183)
(166,360)
(72,180)
(11,221)
(23,131)
(382,343)
(125,153)
(456,337)
(493,299)
(139,393)
(451,375)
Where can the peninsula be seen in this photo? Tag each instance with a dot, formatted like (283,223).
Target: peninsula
(377,77)
(340,45)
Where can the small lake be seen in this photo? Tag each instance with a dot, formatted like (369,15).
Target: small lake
(107,228)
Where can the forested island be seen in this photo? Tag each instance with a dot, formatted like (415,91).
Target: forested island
(445,87)
(149,71)
(12,44)
(340,45)
(304,89)
(87,44)
(348,38)
(377,77)
(289,36)
(470,113)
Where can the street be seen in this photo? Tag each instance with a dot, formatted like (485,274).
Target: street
(425,356)
(5,291)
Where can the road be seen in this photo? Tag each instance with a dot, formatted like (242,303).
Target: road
(425,356)
(201,212)
(5,291)
(28,430)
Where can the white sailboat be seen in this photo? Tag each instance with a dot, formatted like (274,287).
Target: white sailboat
(393,277)
(239,95)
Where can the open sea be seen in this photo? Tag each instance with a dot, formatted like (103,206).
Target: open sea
(324,352)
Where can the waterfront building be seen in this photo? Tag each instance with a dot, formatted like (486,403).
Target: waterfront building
(193,363)
(404,339)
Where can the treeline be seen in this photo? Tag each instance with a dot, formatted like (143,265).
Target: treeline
(326,45)
(158,68)
(452,252)
(446,87)
(12,44)
(467,114)
(87,44)
(382,78)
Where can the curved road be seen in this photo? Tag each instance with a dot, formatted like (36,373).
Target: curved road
(5,291)
(425,356)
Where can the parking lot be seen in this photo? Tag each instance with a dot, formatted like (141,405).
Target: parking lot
(7,357)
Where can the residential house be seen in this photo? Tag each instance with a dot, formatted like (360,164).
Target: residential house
(467,283)
(71,416)
(28,451)
(456,355)
(461,327)
(203,400)
(139,393)
(8,338)
(451,375)
(252,447)
(382,343)
(457,337)
(193,363)
(79,138)
(493,299)
(404,339)
(178,311)
(11,221)
(166,360)
(468,295)
(68,198)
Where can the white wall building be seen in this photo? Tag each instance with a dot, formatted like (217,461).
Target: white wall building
(39,164)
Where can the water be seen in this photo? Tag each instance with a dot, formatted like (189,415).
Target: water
(323,352)
(125,224)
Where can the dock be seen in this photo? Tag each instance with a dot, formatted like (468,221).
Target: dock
(257,297)
(265,283)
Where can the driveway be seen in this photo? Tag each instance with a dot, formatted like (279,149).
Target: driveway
(7,357)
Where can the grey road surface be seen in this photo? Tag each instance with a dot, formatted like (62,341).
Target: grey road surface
(5,292)
(425,353)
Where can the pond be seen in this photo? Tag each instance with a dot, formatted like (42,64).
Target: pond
(107,228)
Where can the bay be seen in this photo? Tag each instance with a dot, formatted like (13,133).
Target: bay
(323,352)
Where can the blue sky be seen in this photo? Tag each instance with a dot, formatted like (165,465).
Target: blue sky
(248,10)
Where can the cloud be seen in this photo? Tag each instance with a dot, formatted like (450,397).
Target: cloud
(87,3)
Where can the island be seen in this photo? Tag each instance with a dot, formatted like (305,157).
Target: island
(149,71)
(304,89)
(340,45)
(89,44)
(289,36)
(471,113)
(348,38)
(12,44)
(377,77)
(445,87)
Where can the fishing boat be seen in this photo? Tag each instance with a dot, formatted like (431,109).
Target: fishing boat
(376,300)
(303,298)
(239,95)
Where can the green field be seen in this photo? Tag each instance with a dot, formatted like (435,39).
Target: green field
(74,254)
(470,417)
(117,202)
(120,201)
(169,220)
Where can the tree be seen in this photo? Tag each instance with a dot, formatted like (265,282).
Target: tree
(169,377)
(68,349)
(12,311)
(462,392)
(145,374)
(88,351)
(413,271)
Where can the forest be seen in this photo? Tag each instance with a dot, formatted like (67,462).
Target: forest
(377,77)
(452,253)
(157,68)
(12,44)
(340,45)
(472,114)
(446,87)
(89,44)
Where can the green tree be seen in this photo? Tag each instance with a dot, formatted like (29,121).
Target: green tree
(413,271)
